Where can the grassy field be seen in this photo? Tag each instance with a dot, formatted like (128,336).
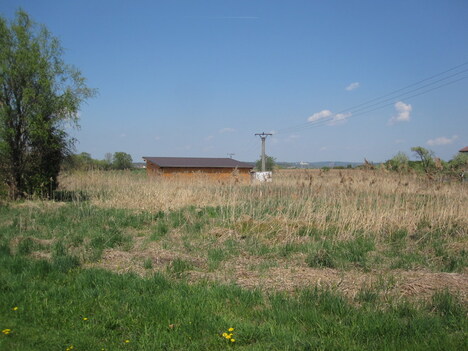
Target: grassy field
(355,260)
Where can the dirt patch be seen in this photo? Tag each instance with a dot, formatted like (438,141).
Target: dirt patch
(119,262)
(287,275)
(135,259)
(412,285)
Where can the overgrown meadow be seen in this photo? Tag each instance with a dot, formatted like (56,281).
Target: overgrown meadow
(337,260)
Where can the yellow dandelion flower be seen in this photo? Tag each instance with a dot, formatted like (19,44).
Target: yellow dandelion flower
(127,341)
(85,318)
(15,308)
(6,331)
(233,340)
(231,329)
(224,334)
(228,336)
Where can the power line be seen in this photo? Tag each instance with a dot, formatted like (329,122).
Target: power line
(363,108)
(325,121)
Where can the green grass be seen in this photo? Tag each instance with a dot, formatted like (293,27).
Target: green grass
(159,314)
(164,312)
(341,254)
(88,229)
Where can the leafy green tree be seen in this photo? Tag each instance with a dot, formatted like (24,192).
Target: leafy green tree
(399,162)
(460,161)
(122,160)
(108,159)
(84,162)
(426,156)
(270,163)
(39,96)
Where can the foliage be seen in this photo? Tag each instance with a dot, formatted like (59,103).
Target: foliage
(121,160)
(436,168)
(270,163)
(40,96)
(426,156)
(399,162)
(84,162)
(460,161)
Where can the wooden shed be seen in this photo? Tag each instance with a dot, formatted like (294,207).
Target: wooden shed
(215,168)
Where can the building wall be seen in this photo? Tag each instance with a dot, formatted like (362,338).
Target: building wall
(241,174)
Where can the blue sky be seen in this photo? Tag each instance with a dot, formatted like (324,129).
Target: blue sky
(199,78)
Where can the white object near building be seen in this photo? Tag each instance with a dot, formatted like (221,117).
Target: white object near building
(262,176)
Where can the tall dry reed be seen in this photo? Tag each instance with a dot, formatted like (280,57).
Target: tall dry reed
(348,200)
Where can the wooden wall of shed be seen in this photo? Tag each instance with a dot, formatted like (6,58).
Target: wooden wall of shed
(242,174)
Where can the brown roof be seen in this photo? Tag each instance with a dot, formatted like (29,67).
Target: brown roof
(465,149)
(197,162)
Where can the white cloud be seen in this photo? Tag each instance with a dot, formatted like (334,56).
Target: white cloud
(403,113)
(442,141)
(333,119)
(320,115)
(339,118)
(352,86)
(209,137)
(227,130)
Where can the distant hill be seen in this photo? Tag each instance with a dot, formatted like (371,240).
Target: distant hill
(320,164)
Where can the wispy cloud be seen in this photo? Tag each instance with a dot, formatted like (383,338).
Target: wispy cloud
(442,141)
(340,118)
(209,137)
(403,113)
(399,141)
(327,115)
(353,86)
(227,130)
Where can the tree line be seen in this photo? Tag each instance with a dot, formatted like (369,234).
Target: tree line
(428,163)
(84,162)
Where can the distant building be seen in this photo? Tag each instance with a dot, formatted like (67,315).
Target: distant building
(465,149)
(214,168)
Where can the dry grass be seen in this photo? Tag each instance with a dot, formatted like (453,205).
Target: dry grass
(349,200)
(257,229)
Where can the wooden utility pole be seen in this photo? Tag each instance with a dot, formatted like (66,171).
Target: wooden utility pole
(230,155)
(263,136)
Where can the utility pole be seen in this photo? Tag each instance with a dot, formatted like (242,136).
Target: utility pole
(230,155)
(263,136)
